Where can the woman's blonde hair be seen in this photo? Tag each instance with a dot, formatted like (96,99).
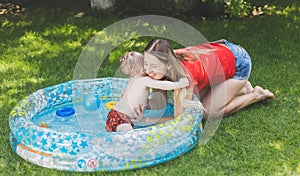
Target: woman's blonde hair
(164,52)
(132,64)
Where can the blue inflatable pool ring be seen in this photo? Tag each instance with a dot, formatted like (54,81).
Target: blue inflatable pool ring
(65,111)
(81,143)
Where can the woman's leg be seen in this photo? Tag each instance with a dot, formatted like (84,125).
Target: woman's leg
(158,99)
(246,89)
(225,98)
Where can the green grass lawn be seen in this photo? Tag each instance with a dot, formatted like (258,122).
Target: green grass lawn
(41,48)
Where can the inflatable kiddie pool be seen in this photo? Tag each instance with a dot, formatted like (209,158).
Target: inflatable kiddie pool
(63,127)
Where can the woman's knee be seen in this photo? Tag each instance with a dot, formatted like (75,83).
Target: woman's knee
(215,114)
(213,111)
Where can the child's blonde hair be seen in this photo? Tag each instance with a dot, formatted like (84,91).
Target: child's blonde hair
(132,64)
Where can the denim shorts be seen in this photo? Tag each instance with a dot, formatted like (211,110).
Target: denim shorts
(242,61)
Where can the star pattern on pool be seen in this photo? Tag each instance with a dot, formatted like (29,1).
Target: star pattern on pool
(90,151)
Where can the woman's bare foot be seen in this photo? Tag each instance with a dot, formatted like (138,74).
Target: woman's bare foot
(263,94)
(246,89)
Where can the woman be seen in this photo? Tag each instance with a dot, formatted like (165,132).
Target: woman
(220,72)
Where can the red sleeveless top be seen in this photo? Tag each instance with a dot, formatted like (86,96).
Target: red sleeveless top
(209,64)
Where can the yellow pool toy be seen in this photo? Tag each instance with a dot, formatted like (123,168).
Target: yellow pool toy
(110,105)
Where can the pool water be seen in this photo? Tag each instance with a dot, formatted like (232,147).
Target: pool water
(84,120)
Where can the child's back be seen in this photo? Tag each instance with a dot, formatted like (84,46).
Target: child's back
(135,94)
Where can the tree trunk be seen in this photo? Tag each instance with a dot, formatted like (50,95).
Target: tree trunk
(102,4)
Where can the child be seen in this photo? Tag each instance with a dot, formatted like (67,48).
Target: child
(123,115)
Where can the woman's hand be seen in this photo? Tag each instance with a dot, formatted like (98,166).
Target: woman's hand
(183,82)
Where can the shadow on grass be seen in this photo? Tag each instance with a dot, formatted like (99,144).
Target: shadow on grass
(40,47)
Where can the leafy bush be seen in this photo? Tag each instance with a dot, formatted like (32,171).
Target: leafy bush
(143,7)
(237,8)
(175,8)
(207,8)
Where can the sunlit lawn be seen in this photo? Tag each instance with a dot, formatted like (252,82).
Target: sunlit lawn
(41,49)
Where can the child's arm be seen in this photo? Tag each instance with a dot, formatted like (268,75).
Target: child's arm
(166,85)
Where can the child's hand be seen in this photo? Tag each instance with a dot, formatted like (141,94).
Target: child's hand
(123,91)
(139,113)
(183,82)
